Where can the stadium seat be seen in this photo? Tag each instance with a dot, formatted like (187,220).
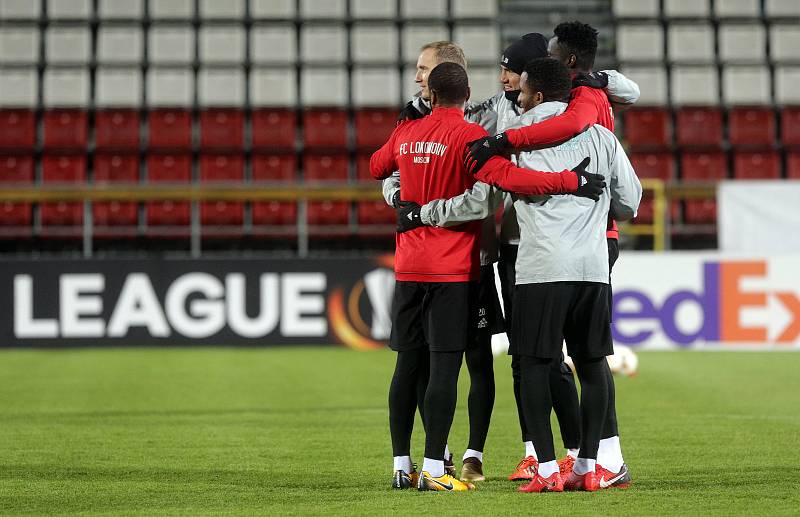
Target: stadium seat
(698,127)
(68,44)
(69,9)
(658,165)
(16,171)
(793,165)
(325,128)
(66,87)
(115,168)
(362,168)
(473,9)
(694,86)
(20,87)
(652,82)
(483,82)
(426,9)
(170,87)
(272,9)
(790,127)
(274,43)
(323,87)
(172,10)
(271,87)
(118,87)
(326,168)
(17,129)
(20,10)
(61,170)
(756,165)
(737,9)
(116,129)
(326,9)
(636,8)
(373,127)
(326,44)
(274,168)
(640,43)
(374,43)
(378,86)
(746,85)
(222,129)
(169,129)
(221,44)
(415,35)
(20,45)
(170,44)
(221,87)
(121,9)
(786,80)
(168,168)
(274,128)
(648,128)
(216,10)
(370,9)
(375,213)
(686,8)
(700,166)
(119,45)
(742,42)
(226,169)
(751,127)
(691,43)
(65,129)
(480,42)
(784,40)
(781,8)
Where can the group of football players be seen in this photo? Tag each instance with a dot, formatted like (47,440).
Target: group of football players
(448,167)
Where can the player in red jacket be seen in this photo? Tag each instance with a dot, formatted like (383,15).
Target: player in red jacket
(437,268)
(575,45)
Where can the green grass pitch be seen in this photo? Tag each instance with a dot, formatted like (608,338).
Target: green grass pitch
(304,431)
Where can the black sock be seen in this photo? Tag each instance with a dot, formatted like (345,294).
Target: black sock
(610,426)
(440,401)
(565,403)
(422,382)
(480,363)
(403,398)
(594,402)
(537,404)
(517,376)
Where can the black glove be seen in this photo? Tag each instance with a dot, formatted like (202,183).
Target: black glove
(409,112)
(597,80)
(408,216)
(396,198)
(589,185)
(482,150)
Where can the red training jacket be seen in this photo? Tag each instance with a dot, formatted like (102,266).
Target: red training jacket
(587,106)
(429,153)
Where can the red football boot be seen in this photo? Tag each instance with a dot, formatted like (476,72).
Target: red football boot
(586,482)
(608,479)
(526,469)
(554,483)
(565,466)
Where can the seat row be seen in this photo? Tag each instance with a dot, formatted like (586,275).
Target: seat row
(703,8)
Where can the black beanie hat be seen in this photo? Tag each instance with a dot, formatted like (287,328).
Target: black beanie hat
(517,55)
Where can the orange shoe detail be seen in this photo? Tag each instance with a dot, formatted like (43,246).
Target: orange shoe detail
(526,469)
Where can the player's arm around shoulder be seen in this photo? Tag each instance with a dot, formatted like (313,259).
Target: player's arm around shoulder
(474,204)
(625,187)
(621,90)
(581,113)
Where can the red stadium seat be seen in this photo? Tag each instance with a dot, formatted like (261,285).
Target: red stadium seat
(16,171)
(653,166)
(751,127)
(793,166)
(115,168)
(274,129)
(373,127)
(274,168)
(326,168)
(756,165)
(222,129)
(325,129)
(699,128)
(362,168)
(375,212)
(227,169)
(116,129)
(63,169)
(698,166)
(17,129)
(648,128)
(168,168)
(790,127)
(170,129)
(65,129)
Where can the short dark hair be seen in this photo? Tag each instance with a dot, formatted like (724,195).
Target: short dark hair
(450,82)
(579,39)
(549,76)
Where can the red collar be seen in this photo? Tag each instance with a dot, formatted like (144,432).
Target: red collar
(448,113)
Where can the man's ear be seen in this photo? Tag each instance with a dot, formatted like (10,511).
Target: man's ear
(469,93)
(539,98)
(434,97)
(572,60)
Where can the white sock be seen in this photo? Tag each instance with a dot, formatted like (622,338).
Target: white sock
(609,454)
(583,465)
(472,453)
(572,453)
(446,452)
(548,468)
(403,463)
(433,467)
(530,450)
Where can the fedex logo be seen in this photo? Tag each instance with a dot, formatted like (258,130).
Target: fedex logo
(737,302)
